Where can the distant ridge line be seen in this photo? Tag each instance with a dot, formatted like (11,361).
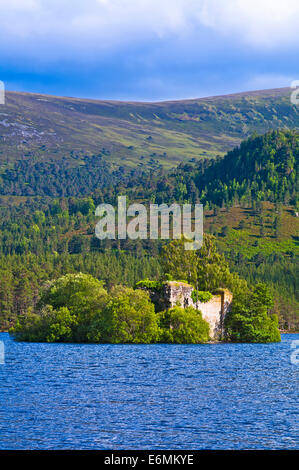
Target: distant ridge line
(265,92)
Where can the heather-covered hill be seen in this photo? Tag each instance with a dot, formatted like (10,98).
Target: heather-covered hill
(47,128)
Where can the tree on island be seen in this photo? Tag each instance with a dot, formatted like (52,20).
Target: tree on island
(77,307)
(206,268)
(249,319)
(128,317)
(183,325)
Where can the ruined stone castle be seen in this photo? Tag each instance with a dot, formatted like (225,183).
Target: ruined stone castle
(176,293)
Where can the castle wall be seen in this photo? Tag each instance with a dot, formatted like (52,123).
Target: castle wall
(180,293)
(212,313)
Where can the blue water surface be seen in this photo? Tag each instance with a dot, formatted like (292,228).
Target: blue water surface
(215,396)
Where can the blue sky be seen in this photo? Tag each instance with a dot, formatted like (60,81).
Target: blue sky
(148,49)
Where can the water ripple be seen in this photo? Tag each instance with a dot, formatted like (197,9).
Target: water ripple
(222,396)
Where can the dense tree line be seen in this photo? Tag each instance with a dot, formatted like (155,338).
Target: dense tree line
(68,177)
(262,168)
(77,307)
(21,276)
(50,232)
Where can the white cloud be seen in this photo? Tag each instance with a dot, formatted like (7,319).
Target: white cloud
(96,26)
(154,48)
(261,23)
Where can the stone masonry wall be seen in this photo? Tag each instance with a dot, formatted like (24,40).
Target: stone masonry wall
(179,293)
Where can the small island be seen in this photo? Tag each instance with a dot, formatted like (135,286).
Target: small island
(209,304)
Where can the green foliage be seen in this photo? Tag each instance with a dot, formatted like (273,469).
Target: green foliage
(201,296)
(66,309)
(149,284)
(249,320)
(76,291)
(82,294)
(46,237)
(22,276)
(183,326)
(129,317)
(77,308)
(178,263)
(206,267)
(49,326)
(263,168)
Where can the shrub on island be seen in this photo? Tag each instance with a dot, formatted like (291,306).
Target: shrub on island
(65,311)
(201,296)
(149,284)
(249,321)
(128,317)
(77,308)
(183,325)
(50,325)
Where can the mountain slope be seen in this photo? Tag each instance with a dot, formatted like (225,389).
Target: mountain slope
(251,206)
(47,128)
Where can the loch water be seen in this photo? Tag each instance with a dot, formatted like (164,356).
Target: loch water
(91,396)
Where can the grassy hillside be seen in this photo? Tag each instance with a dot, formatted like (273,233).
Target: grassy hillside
(48,128)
